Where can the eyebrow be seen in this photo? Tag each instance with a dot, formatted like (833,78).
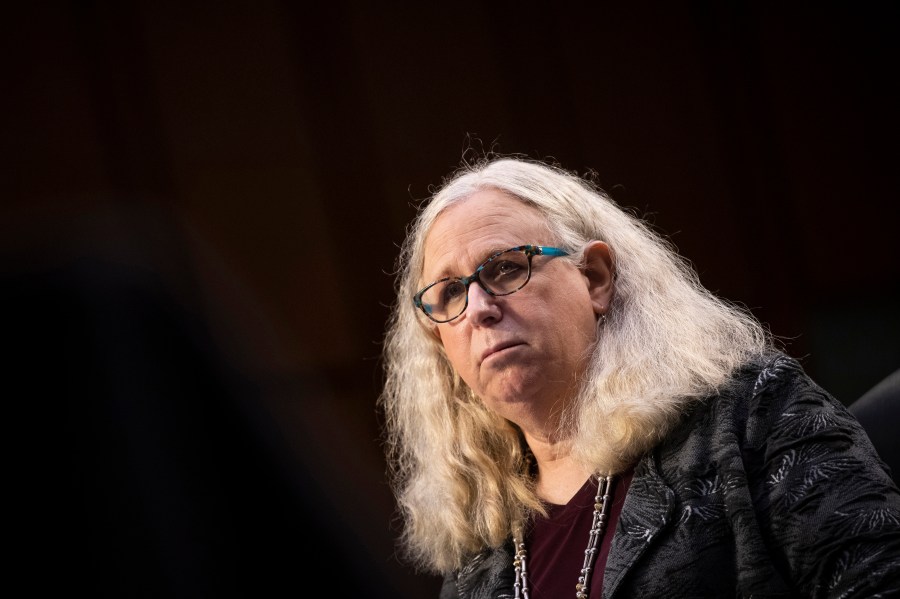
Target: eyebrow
(445,272)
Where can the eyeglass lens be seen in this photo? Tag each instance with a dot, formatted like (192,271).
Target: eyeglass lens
(504,274)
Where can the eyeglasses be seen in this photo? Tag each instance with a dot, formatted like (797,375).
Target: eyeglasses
(502,273)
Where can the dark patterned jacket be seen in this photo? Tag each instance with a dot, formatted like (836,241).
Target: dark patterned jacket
(768,489)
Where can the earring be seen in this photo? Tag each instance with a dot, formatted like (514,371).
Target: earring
(602,320)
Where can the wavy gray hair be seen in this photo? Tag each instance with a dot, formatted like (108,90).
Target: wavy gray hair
(456,468)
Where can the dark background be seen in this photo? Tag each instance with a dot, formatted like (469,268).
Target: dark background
(204,201)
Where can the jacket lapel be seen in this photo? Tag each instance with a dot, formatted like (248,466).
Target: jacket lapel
(647,509)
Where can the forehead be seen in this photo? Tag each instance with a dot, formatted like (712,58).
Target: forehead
(487,221)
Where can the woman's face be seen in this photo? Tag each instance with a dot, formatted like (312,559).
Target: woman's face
(523,354)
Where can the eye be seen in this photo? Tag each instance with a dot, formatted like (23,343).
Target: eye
(506,268)
(452,291)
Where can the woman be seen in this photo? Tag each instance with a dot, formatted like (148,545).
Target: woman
(568,412)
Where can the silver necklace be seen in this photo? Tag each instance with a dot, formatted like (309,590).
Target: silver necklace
(598,526)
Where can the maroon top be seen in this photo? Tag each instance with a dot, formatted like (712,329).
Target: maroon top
(556,544)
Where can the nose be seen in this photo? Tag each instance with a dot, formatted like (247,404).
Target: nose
(483,307)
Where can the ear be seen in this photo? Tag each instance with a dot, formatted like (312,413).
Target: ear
(599,270)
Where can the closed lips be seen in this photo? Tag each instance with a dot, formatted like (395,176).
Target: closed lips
(498,347)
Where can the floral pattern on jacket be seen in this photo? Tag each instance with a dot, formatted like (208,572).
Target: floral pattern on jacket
(732,504)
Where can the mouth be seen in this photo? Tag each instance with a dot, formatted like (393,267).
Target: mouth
(497,348)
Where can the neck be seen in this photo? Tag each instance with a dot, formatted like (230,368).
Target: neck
(559,475)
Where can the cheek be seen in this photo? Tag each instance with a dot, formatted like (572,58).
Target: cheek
(455,348)
(578,321)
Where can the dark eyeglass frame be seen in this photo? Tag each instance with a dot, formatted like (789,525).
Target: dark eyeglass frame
(530,252)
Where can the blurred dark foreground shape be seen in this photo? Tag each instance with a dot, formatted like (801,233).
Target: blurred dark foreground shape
(145,464)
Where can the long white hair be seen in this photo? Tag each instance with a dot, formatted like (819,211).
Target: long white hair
(456,468)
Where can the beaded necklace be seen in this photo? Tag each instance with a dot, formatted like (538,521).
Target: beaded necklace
(602,503)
